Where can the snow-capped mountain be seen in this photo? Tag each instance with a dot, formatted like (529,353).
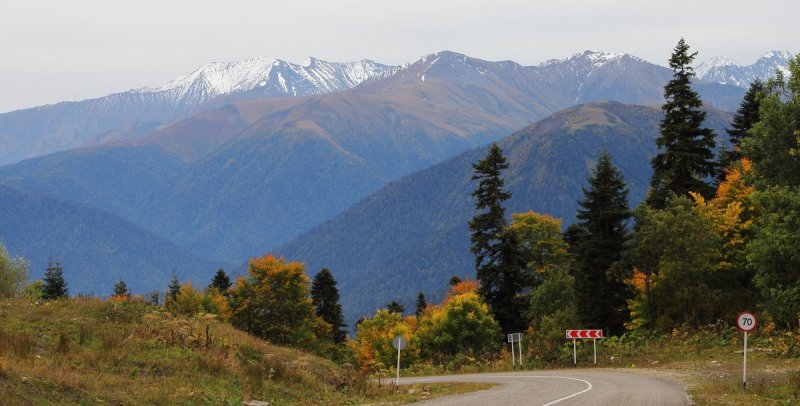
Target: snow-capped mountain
(726,71)
(41,130)
(270,78)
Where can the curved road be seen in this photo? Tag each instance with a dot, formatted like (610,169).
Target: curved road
(565,387)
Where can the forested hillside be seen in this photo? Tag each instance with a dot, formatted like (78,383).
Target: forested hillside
(412,235)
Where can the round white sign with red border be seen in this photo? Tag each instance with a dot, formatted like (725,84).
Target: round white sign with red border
(746,321)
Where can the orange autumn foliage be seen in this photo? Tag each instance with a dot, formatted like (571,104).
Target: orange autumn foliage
(465,286)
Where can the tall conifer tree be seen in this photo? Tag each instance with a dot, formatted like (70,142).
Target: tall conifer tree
(421,304)
(221,282)
(602,217)
(499,274)
(54,285)
(325,297)
(685,158)
(744,119)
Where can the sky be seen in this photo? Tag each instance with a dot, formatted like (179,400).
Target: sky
(58,50)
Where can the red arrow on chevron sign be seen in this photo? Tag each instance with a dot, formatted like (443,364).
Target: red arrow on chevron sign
(584,333)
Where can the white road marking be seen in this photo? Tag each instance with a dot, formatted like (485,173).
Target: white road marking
(556,377)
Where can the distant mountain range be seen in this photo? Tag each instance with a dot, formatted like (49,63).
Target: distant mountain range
(412,235)
(46,129)
(239,161)
(41,130)
(726,71)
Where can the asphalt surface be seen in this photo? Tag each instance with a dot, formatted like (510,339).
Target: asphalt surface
(563,387)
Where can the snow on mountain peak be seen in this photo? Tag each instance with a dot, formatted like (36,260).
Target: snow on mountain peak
(776,54)
(715,62)
(727,71)
(276,77)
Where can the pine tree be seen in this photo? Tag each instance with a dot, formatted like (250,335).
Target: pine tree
(221,282)
(54,285)
(395,307)
(121,289)
(421,304)
(744,119)
(602,295)
(174,287)
(495,252)
(685,158)
(325,297)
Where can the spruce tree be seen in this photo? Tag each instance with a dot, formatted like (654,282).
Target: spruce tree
(685,158)
(54,285)
(174,287)
(221,282)
(421,304)
(498,273)
(744,119)
(325,297)
(121,289)
(395,307)
(602,294)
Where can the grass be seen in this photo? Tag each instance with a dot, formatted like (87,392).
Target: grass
(87,351)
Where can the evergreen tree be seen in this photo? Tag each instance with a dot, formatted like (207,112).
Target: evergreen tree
(685,158)
(602,294)
(121,289)
(54,285)
(773,145)
(744,119)
(221,282)
(454,280)
(495,252)
(395,307)
(325,297)
(421,304)
(174,287)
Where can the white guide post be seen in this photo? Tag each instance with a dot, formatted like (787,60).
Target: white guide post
(398,365)
(513,356)
(520,353)
(574,352)
(744,372)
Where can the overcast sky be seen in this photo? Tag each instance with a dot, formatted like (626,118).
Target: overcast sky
(56,50)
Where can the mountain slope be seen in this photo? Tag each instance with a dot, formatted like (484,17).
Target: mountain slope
(412,235)
(727,71)
(95,248)
(242,179)
(40,130)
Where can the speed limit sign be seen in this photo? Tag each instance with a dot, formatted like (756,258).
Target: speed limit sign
(746,321)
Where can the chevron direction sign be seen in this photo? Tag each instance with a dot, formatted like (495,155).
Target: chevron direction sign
(584,333)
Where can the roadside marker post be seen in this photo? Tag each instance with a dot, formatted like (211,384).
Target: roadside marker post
(746,322)
(576,334)
(515,338)
(399,342)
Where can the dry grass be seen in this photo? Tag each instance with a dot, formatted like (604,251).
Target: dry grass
(85,351)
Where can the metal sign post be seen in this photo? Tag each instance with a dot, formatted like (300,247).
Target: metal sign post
(576,334)
(746,322)
(399,342)
(515,338)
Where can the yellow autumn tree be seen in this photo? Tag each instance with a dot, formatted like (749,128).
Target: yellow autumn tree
(540,242)
(730,212)
(273,303)
(372,345)
(462,324)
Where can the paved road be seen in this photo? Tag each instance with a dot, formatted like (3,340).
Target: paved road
(562,388)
